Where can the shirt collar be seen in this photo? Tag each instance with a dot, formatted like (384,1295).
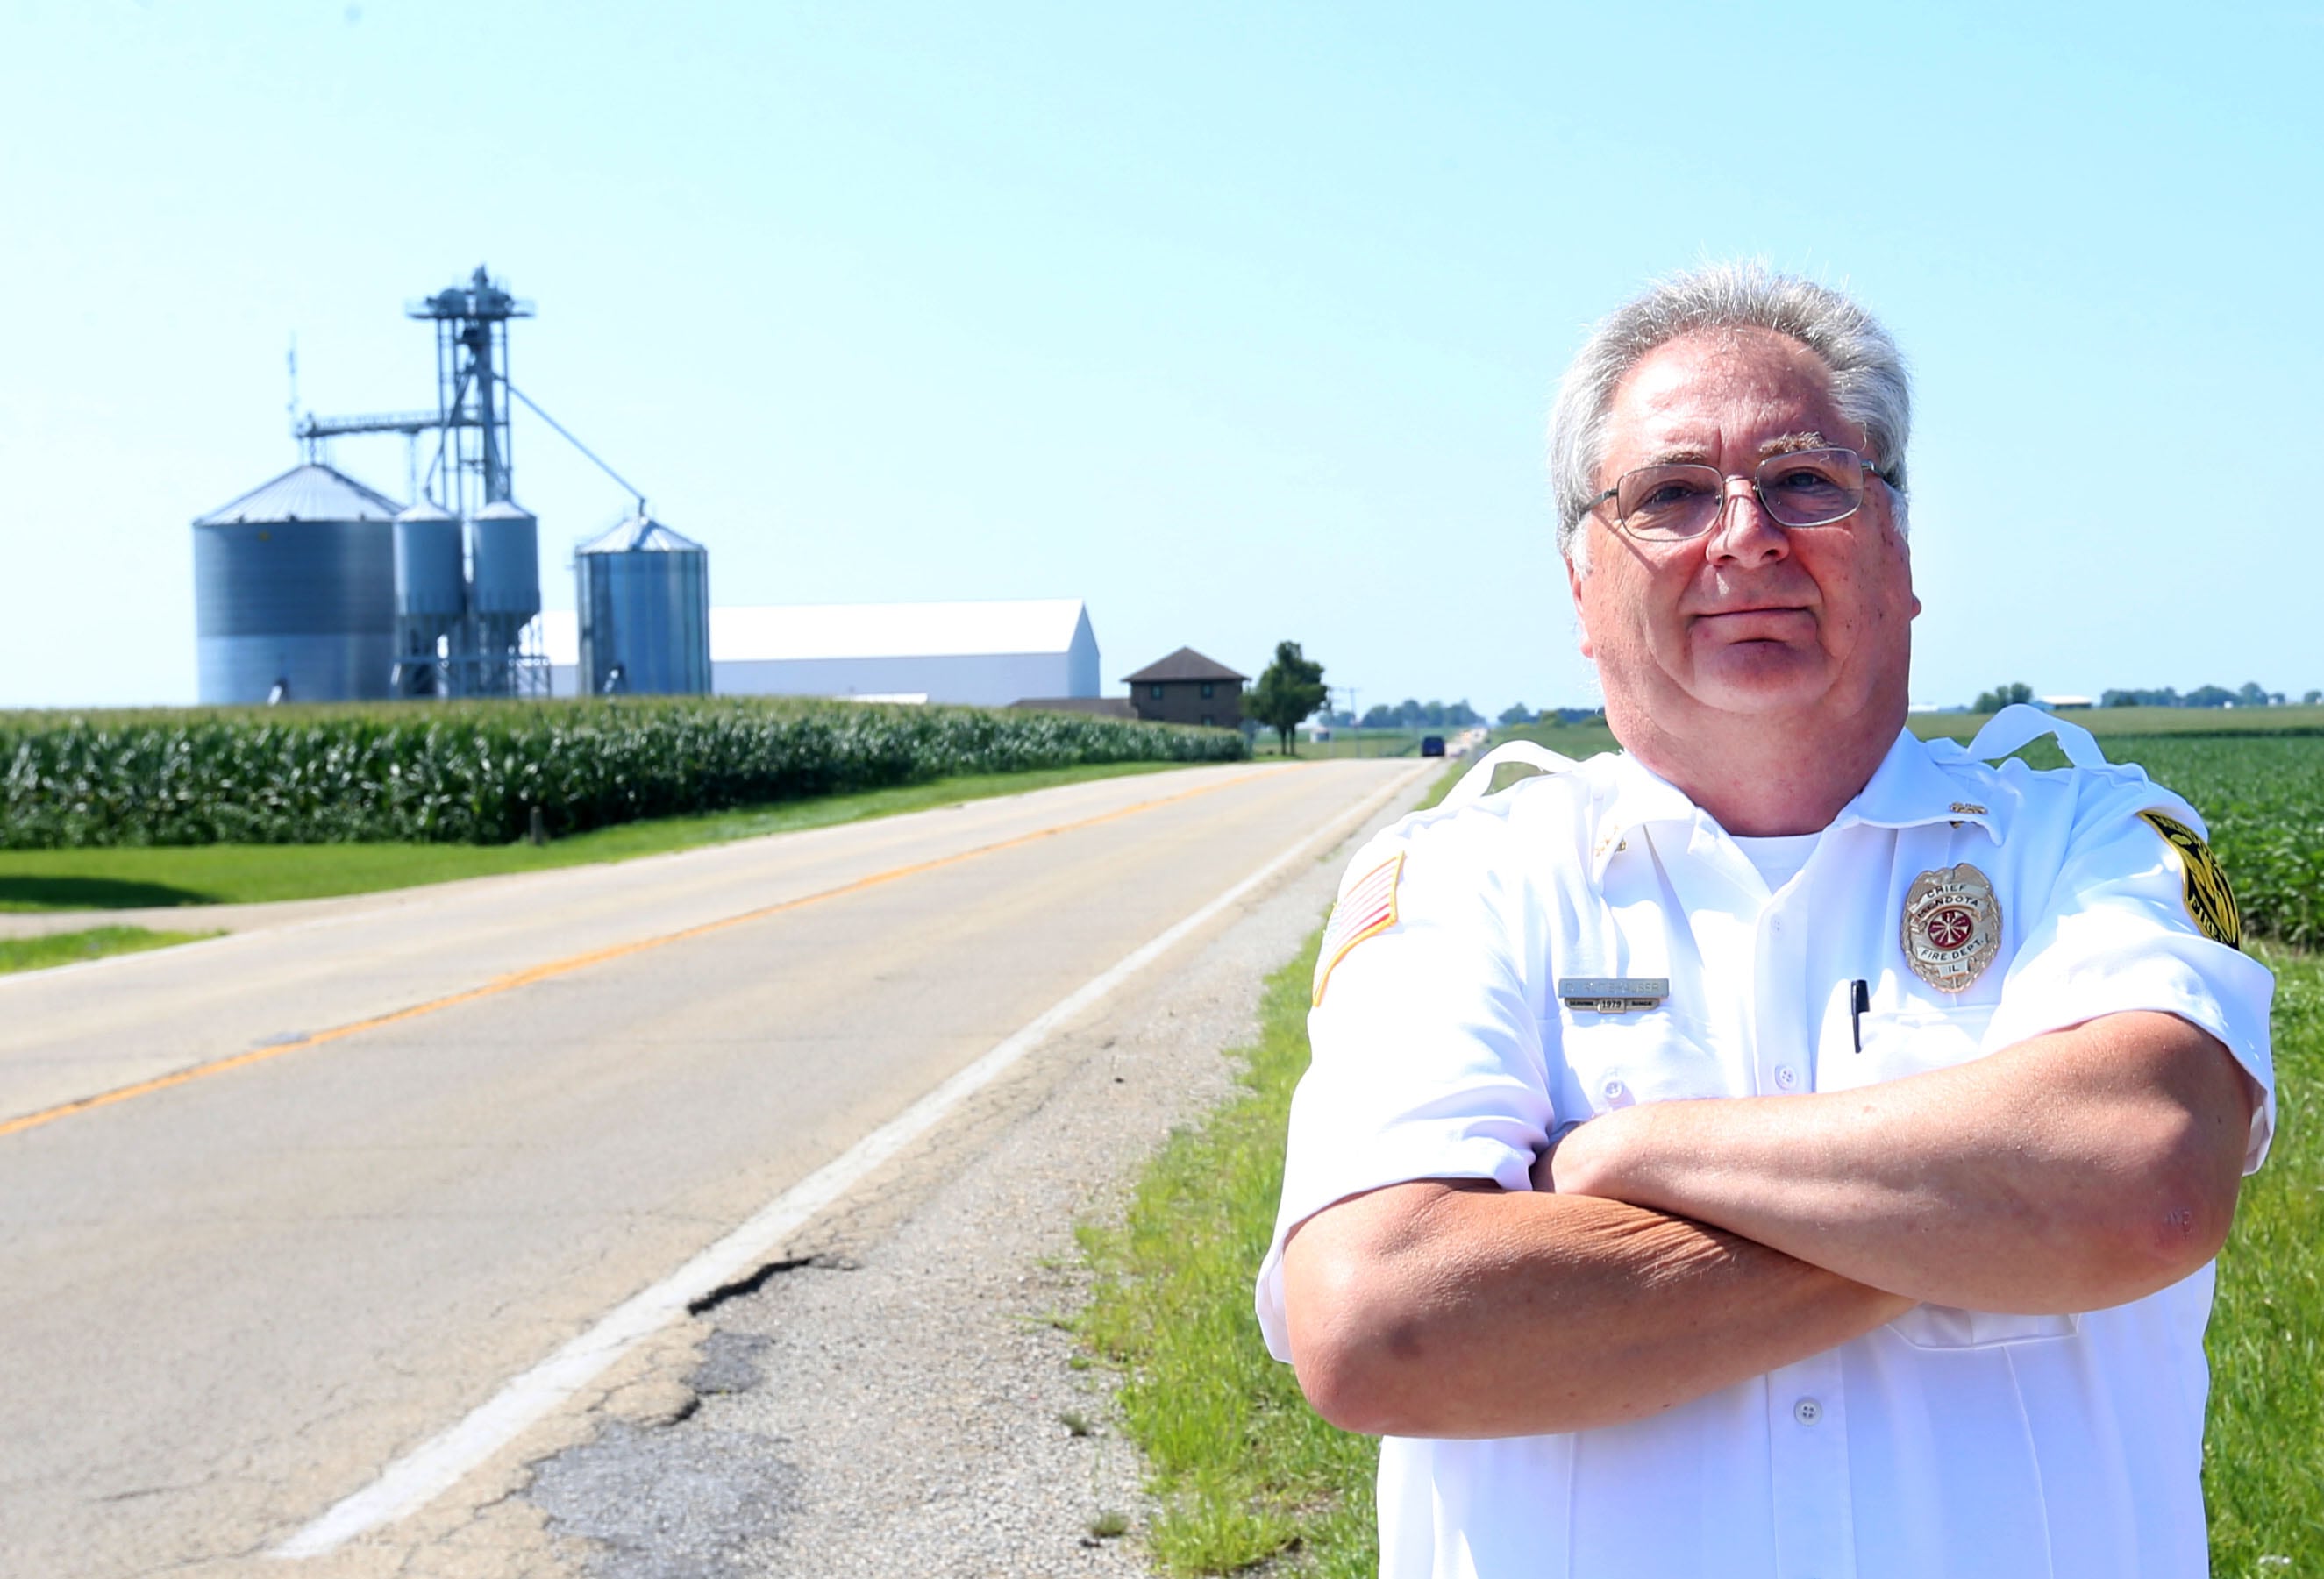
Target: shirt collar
(1908,789)
(1640,797)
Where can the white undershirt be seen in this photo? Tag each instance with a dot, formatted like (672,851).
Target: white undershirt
(1779,857)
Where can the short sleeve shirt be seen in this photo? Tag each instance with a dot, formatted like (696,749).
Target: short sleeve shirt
(1948,1442)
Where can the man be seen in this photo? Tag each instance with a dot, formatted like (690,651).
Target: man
(1923,1293)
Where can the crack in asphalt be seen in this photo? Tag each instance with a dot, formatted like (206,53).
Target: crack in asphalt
(703,1304)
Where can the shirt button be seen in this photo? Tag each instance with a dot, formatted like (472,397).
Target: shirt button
(1614,1090)
(1777,923)
(1786,1078)
(1807,1411)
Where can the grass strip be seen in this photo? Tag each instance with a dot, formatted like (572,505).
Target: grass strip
(1242,1469)
(1244,1472)
(2264,1442)
(72,948)
(122,878)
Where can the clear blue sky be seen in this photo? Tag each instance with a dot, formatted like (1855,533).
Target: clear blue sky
(1238,321)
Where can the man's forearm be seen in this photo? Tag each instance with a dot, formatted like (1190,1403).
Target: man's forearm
(1439,1310)
(2074,1171)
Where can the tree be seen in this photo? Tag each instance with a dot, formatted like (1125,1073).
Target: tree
(1288,691)
(1517,712)
(2002,696)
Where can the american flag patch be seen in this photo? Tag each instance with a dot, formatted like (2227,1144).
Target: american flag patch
(1369,907)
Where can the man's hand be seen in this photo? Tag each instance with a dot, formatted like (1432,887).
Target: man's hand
(2073,1172)
(1590,1165)
(1544,1173)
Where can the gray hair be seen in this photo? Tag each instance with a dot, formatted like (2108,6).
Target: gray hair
(1868,382)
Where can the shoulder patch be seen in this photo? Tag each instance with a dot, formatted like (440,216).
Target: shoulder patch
(1367,909)
(2210,902)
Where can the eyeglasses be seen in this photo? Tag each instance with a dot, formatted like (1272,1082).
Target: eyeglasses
(1805,488)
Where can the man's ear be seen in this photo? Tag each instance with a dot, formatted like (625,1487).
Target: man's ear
(1580,619)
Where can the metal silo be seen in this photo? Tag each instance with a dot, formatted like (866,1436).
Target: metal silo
(643,593)
(431,599)
(504,590)
(294,592)
(507,572)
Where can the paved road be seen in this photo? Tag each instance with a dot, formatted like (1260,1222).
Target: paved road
(368,1167)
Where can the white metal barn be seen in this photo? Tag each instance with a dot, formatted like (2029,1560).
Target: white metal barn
(984,654)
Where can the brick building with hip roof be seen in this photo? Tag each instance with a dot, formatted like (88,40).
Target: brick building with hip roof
(1187,688)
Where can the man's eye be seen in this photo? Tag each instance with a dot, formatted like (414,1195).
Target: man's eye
(1670,495)
(1804,480)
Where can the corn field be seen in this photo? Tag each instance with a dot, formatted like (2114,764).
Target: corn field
(2263,796)
(473,774)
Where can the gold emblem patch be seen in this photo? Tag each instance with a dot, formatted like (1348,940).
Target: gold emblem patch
(1952,926)
(1367,909)
(2210,902)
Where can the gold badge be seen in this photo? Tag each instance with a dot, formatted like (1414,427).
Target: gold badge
(1952,926)
(2210,902)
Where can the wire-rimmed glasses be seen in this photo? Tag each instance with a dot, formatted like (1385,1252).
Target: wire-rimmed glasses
(1680,500)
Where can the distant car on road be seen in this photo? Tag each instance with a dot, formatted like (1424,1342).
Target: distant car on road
(1432,745)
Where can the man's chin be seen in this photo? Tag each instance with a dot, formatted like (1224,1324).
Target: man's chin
(1760,678)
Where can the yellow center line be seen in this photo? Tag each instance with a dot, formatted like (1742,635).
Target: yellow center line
(571,963)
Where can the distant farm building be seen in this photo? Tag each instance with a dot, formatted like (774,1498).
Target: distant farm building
(980,655)
(1187,688)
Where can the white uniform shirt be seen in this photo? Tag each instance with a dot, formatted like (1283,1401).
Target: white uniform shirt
(1950,1442)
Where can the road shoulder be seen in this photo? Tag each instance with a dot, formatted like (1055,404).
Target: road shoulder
(906,1391)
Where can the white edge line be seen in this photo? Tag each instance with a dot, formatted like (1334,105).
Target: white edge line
(437,1465)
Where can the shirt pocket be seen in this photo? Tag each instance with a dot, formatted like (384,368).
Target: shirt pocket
(1947,1327)
(1910,1040)
(1603,1062)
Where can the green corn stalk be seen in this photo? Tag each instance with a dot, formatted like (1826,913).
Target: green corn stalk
(471,773)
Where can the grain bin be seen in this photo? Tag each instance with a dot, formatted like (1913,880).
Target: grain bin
(431,599)
(504,590)
(644,595)
(294,592)
(507,570)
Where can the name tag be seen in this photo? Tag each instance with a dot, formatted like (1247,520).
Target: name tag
(1613,995)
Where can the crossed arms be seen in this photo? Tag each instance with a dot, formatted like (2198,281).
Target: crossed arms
(1688,1245)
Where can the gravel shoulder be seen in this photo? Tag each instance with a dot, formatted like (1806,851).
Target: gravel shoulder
(901,1393)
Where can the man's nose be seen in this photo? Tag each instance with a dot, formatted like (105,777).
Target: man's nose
(1744,532)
